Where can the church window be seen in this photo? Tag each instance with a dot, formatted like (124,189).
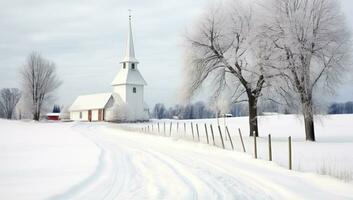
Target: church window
(124,65)
(80,115)
(134,90)
(133,66)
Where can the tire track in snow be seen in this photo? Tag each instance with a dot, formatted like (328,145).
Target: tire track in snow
(183,169)
(131,168)
(116,177)
(222,179)
(81,186)
(103,182)
(167,168)
(216,182)
(178,173)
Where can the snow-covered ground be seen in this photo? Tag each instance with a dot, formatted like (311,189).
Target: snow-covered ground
(38,160)
(331,154)
(102,161)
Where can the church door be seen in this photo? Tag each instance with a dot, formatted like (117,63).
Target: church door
(90,115)
(100,115)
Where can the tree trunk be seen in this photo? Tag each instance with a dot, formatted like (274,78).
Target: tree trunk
(308,119)
(36,116)
(253,115)
(8,114)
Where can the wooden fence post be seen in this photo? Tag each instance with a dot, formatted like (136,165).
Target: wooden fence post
(152,128)
(178,128)
(269,148)
(184,129)
(220,134)
(241,139)
(290,152)
(192,131)
(255,145)
(158,126)
(197,131)
(164,128)
(170,129)
(214,143)
(230,139)
(208,142)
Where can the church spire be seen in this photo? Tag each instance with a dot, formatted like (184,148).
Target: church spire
(130,51)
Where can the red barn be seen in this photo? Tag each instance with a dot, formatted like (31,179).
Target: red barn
(53,116)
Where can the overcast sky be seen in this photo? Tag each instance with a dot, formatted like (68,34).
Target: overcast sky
(86,39)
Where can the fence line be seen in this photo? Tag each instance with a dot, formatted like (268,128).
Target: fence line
(149,129)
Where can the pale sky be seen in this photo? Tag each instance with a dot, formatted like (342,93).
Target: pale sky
(86,39)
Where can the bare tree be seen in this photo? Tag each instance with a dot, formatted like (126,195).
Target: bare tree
(9,97)
(159,111)
(227,49)
(313,42)
(39,80)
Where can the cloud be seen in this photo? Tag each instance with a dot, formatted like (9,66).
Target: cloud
(86,39)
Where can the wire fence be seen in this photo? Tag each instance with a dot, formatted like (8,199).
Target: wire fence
(215,135)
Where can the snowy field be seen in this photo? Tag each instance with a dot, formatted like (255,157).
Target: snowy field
(103,161)
(331,154)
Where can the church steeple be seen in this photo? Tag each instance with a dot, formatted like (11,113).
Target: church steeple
(129,73)
(130,51)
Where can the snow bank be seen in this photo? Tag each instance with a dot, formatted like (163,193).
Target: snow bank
(170,168)
(330,155)
(39,160)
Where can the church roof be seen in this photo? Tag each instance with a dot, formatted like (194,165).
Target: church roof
(129,76)
(126,76)
(90,102)
(130,51)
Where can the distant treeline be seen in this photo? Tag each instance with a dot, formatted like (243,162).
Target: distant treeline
(341,108)
(201,110)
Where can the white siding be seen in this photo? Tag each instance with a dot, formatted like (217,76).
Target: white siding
(121,90)
(134,101)
(94,115)
(75,115)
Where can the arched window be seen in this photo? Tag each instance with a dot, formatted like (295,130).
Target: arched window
(134,90)
(132,65)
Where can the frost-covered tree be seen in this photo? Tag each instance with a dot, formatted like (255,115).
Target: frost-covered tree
(313,43)
(39,81)
(178,111)
(9,97)
(227,53)
(159,111)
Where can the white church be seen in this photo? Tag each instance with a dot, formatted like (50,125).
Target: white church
(124,103)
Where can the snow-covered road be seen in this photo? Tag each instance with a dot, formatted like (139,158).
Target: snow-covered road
(139,166)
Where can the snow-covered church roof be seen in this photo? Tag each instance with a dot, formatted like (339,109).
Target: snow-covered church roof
(127,75)
(90,102)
